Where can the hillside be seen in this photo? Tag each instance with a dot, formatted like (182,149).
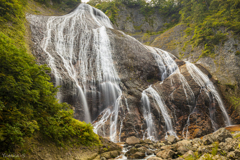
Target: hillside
(203,32)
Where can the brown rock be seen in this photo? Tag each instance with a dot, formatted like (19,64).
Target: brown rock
(132,140)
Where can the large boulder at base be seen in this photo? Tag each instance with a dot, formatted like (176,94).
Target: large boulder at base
(132,140)
(165,154)
(221,134)
(172,139)
(183,146)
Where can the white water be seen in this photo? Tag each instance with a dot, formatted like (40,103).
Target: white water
(147,113)
(204,82)
(79,41)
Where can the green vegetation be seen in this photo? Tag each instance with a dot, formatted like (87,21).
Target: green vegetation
(27,99)
(167,8)
(209,21)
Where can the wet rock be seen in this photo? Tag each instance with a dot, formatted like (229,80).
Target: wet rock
(165,154)
(172,139)
(147,141)
(103,158)
(132,140)
(137,155)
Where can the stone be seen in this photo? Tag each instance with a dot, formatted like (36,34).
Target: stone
(147,141)
(137,155)
(197,141)
(165,154)
(204,149)
(132,140)
(221,135)
(114,154)
(231,155)
(138,145)
(183,146)
(218,157)
(237,153)
(172,139)
(106,155)
(154,158)
(103,158)
(189,154)
(208,139)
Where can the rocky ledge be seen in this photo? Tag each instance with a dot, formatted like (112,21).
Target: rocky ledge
(221,144)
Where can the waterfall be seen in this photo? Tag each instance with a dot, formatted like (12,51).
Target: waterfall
(147,113)
(80,42)
(204,82)
(79,51)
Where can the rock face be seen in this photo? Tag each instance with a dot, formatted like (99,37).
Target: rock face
(122,86)
(132,20)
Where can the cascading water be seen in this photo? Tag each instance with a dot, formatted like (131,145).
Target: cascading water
(147,114)
(80,41)
(80,46)
(204,82)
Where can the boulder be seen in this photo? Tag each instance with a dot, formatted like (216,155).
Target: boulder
(183,146)
(231,155)
(106,155)
(204,149)
(189,154)
(221,135)
(137,155)
(154,158)
(165,154)
(147,141)
(197,141)
(132,140)
(208,139)
(172,139)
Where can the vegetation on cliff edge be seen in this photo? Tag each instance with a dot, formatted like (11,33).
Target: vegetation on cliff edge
(27,99)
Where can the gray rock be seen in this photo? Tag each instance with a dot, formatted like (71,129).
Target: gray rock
(165,154)
(221,135)
(231,155)
(137,155)
(154,158)
(208,139)
(132,140)
(172,139)
(184,146)
(197,141)
(189,154)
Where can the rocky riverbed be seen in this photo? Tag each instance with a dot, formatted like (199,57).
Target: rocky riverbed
(220,145)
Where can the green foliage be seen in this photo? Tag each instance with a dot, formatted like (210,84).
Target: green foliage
(27,98)
(61,3)
(210,20)
(215,148)
(237,53)
(109,8)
